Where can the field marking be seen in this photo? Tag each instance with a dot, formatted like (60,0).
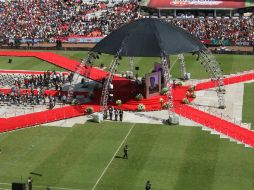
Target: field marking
(104,171)
(102,174)
(5,184)
(41,186)
(5,189)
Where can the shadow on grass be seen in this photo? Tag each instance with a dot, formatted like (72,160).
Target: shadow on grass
(33,173)
(119,157)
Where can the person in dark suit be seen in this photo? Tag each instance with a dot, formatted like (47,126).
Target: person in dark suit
(153,86)
(116,114)
(110,113)
(29,183)
(148,185)
(125,151)
(121,115)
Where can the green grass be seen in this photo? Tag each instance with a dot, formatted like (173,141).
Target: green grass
(229,63)
(172,158)
(27,63)
(248,104)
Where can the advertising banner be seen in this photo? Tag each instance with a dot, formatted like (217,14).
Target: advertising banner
(36,40)
(84,40)
(79,39)
(226,42)
(199,4)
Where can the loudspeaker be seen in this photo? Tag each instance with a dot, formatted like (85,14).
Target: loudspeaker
(136,68)
(18,186)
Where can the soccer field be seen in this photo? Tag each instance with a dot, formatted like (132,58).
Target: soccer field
(171,157)
(27,63)
(228,63)
(248,104)
(88,156)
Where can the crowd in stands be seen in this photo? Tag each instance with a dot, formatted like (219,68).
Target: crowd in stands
(241,29)
(46,19)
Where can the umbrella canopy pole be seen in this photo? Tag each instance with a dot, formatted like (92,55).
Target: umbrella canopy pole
(173,119)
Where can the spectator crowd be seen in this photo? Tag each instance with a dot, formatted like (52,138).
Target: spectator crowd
(47,19)
(240,29)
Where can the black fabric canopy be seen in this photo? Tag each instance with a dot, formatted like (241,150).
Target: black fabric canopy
(147,38)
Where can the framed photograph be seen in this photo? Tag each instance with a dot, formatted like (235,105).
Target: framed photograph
(153,84)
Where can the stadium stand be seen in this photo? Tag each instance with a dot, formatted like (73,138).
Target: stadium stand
(49,20)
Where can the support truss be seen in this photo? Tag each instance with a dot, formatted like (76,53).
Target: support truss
(87,64)
(167,84)
(105,88)
(131,64)
(210,64)
(182,66)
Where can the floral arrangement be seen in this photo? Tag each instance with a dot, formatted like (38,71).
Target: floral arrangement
(192,88)
(139,96)
(90,94)
(141,107)
(118,103)
(75,102)
(193,95)
(188,93)
(221,90)
(165,105)
(179,84)
(164,91)
(89,110)
(161,101)
(185,101)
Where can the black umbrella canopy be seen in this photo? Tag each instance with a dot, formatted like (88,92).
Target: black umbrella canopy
(148,38)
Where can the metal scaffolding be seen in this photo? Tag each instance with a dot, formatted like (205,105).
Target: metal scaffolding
(131,64)
(106,83)
(85,63)
(165,71)
(212,67)
(182,65)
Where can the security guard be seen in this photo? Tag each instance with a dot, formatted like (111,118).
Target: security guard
(125,150)
(148,185)
(121,115)
(29,183)
(116,114)
(110,113)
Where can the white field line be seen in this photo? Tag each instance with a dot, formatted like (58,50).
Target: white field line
(104,171)
(4,189)
(42,187)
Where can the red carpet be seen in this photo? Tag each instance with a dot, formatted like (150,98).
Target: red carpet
(96,74)
(227,81)
(236,132)
(37,118)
